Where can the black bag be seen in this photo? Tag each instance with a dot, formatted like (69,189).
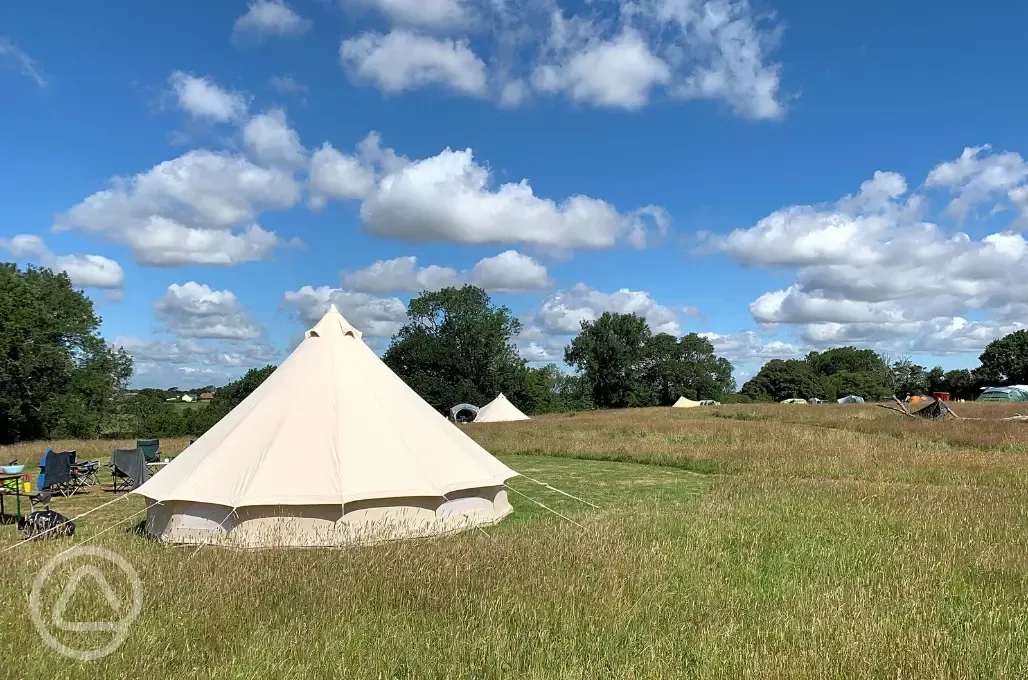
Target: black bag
(46,524)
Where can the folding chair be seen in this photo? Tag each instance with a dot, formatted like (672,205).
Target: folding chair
(151,449)
(55,473)
(129,467)
(86,472)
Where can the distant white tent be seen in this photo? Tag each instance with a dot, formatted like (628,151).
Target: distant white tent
(499,410)
(685,403)
(332,449)
(851,399)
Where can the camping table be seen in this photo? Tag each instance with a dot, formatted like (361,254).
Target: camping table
(5,489)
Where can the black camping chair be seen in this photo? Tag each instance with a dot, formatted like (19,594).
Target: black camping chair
(129,467)
(55,475)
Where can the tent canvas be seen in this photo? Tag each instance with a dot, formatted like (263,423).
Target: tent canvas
(1011,393)
(499,410)
(332,449)
(851,399)
(685,403)
(794,401)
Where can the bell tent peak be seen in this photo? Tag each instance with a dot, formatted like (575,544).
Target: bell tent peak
(330,321)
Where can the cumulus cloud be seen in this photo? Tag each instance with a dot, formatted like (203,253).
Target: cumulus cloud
(749,347)
(508,272)
(194,310)
(449,197)
(335,175)
(619,73)
(401,274)
(198,208)
(979,175)
(188,362)
(267,18)
(873,272)
(563,312)
(403,60)
(271,141)
(433,14)
(683,49)
(202,98)
(375,317)
(86,271)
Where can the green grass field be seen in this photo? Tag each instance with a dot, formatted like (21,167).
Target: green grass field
(186,405)
(731,542)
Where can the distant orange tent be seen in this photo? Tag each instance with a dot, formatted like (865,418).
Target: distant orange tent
(917,399)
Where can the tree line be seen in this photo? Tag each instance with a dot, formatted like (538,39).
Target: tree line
(59,379)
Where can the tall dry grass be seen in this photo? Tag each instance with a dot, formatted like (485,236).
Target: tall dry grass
(850,544)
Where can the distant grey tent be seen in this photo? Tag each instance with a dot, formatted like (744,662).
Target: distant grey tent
(851,399)
(1012,393)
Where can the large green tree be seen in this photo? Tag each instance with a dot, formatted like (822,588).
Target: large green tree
(849,370)
(685,367)
(611,355)
(787,379)
(57,375)
(1005,361)
(456,347)
(909,378)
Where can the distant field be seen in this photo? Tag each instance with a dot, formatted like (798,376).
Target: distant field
(731,542)
(190,404)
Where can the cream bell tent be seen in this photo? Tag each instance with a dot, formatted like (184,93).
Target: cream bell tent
(499,410)
(332,449)
(685,403)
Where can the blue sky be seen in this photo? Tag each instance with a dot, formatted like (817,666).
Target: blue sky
(783,176)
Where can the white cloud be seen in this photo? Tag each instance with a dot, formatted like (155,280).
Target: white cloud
(448,198)
(194,310)
(873,272)
(26,65)
(977,177)
(375,317)
(266,18)
(683,49)
(335,175)
(198,208)
(563,312)
(536,352)
(436,14)
(272,142)
(201,97)
(508,272)
(401,274)
(86,271)
(189,363)
(287,85)
(748,347)
(725,55)
(618,73)
(160,351)
(402,60)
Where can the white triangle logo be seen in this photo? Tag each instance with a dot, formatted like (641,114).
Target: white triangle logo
(113,601)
